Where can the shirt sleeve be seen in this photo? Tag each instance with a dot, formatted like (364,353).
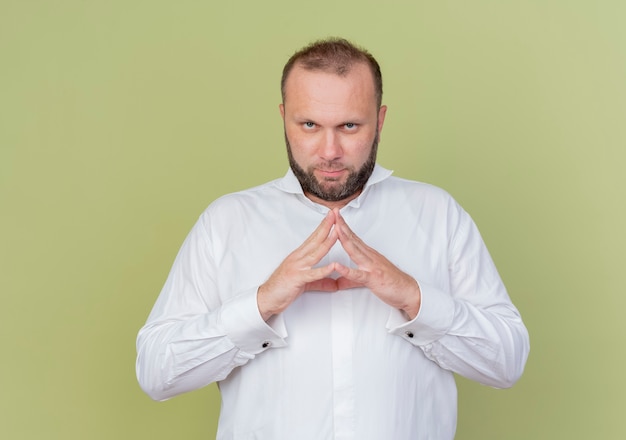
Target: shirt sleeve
(472,328)
(192,338)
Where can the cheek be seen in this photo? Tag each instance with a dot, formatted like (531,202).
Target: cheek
(359,149)
(301,146)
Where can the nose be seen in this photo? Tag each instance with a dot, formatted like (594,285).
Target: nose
(331,146)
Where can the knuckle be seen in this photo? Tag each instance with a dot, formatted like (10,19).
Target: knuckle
(378,273)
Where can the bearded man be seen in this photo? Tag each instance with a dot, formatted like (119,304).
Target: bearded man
(337,301)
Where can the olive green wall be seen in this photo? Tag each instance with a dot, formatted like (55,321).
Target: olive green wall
(121,120)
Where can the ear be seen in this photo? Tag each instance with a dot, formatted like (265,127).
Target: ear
(281,107)
(381,118)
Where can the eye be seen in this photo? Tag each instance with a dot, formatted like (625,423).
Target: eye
(309,125)
(350,126)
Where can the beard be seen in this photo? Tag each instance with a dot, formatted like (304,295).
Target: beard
(331,192)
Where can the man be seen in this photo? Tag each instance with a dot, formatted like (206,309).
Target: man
(336,302)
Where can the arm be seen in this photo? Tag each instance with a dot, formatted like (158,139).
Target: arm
(192,338)
(472,328)
(485,344)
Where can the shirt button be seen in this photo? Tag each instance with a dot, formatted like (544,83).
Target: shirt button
(266,344)
(408,333)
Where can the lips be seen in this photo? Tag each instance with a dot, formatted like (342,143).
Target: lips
(331,173)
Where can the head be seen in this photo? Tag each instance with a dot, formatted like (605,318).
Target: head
(331,109)
(333,55)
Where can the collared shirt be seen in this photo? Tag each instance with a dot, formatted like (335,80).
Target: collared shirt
(341,365)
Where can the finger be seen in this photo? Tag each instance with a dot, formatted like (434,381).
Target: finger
(321,236)
(318,273)
(345,233)
(358,251)
(340,222)
(312,254)
(345,284)
(323,229)
(323,285)
(352,276)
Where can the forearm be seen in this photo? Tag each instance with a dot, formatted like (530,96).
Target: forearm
(184,353)
(176,357)
(489,345)
(467,322)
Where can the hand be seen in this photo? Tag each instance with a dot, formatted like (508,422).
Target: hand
(296,273)
(375,272)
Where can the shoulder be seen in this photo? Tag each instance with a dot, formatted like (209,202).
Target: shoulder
(431,206)
(237,209)
(247,197)
(398,187)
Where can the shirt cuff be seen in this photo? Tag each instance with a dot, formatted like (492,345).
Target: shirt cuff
(432,322)
(246,328)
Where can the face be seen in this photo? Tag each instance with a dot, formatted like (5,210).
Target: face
(332,126)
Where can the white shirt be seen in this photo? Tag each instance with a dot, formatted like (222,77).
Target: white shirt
(340,365)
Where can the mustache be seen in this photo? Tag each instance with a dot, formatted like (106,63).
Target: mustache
(333,165)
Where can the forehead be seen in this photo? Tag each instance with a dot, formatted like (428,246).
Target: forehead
(356,86)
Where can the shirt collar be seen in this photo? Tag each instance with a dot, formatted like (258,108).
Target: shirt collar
(289,183)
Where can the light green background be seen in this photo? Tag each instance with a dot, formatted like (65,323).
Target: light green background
(120,121)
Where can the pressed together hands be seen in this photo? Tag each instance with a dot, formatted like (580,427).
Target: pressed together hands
(297,273)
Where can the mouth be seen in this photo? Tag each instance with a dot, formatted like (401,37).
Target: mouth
(331,174)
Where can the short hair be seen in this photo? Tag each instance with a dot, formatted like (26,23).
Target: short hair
(333,55)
